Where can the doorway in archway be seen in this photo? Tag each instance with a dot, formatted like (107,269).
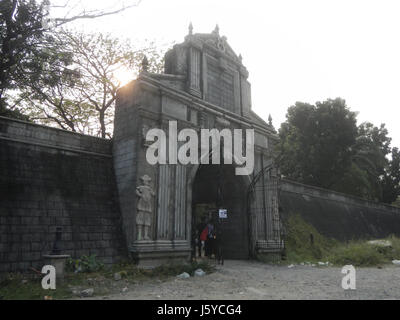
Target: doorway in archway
(217,187)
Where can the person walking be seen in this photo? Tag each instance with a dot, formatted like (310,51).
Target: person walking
(201,237)
(210,239)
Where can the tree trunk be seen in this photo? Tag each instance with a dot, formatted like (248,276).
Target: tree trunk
(102,124)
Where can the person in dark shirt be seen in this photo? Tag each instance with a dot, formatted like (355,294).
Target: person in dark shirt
(219,243)
(211,238)
(200,228)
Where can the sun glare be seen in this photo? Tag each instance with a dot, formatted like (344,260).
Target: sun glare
(124,76)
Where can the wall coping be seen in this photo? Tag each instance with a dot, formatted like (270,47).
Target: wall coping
(20,131)
(52,128)
(291,186)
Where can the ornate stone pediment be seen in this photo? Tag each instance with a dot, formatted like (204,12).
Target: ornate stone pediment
(216,41)
(210,70)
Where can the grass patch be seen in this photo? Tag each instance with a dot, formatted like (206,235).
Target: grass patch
(24,287)
(361,253)
(300,248)
(304,243)
(28,286)
(130,271)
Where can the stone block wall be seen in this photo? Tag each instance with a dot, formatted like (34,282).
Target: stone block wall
(53,178)
(337,215)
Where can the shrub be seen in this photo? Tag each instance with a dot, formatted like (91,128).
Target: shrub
(358,254)
(175,269)
(298,245)
(299,248)
(84,264)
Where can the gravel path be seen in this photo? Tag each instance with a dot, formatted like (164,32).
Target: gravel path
(255,280)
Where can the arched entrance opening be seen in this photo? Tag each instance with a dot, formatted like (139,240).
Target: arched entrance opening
(217,187)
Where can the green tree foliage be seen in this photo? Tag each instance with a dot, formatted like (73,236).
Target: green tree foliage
(321,145)
(316,142)
(391,180)
(22,39)
(12,112)
(81,98)
(369,162)
(28,54)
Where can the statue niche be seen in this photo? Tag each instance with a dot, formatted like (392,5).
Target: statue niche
(144,208)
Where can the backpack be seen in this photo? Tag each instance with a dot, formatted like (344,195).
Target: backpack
(204,233)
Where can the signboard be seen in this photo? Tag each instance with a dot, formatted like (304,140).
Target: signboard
(223,213)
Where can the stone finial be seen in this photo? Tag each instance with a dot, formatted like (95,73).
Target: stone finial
(145,64)
(240,58)
(270,120)
(190,29)
(216,30)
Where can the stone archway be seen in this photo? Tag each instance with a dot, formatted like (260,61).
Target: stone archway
(203,189)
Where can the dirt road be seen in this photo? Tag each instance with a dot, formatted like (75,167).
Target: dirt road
(255,280)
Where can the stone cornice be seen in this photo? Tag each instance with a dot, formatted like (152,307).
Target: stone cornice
(148,82)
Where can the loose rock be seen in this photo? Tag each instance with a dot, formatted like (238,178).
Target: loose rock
(117,276)
(199,273)
(184,275)
(87,292)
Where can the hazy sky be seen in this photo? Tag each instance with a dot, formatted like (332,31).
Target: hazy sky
(294,50)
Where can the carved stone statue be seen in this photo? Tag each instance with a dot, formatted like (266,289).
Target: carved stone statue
(144,208)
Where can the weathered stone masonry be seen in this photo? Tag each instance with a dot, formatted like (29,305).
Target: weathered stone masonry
(100,192)
(53,178)
(338,215)
(205,87)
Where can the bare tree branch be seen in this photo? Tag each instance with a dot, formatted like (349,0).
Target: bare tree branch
(92,14)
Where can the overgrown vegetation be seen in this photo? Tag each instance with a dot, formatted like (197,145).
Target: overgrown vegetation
(361,253)
(17,286)
(129,270)
(302,247)
(174,269)
(299,246)
(84,264)
(92,274)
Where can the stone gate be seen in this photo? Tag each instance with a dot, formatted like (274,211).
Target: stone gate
(105,196)
(204,86)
